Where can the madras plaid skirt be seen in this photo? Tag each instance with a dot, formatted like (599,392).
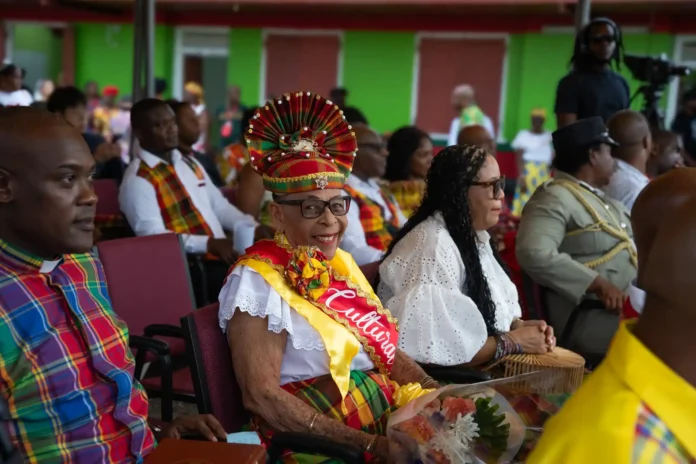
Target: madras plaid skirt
(368,404)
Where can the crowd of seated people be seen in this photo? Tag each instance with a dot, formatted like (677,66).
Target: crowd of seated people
(315,344)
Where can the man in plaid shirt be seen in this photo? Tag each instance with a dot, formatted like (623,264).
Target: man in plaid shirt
(65,368)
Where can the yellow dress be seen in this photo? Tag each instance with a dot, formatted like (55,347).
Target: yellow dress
(408,194)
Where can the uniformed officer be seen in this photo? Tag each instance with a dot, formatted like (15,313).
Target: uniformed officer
(575,241)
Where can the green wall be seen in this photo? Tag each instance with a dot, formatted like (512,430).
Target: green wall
(39,39)
(538,61)
(104,53)
(377,67)
(244,65)
(378,72)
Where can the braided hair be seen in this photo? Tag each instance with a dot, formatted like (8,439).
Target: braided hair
(449,178)
(583,58)
(401,146)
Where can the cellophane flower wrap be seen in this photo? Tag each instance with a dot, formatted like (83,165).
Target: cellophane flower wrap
(309,272)
(490,422)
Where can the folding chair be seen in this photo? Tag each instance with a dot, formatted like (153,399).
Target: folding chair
(150,289)
(218,393)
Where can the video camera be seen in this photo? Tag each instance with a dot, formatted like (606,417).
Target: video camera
(656,72)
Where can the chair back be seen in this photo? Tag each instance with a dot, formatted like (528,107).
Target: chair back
(107,193)
(371,271)
(217,391)
(148,279)
(230,193)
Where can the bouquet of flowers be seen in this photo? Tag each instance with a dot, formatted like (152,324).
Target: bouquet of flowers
(489,422)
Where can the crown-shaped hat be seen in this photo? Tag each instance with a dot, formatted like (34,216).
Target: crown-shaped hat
(301,142)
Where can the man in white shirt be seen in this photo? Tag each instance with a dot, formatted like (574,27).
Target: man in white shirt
(11,92)
(464,97)
(164,191)
(374,217)
(631,131)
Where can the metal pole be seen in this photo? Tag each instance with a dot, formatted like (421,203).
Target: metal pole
(582,14)
(137,49)
(138,21)
(149,36)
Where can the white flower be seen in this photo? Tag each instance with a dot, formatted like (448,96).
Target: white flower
(465,429)
(454,449)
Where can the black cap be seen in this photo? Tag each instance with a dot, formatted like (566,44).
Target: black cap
(581,134)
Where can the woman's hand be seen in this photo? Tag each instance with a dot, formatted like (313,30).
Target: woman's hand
(381,451)
(203,424)
(548,332)
(531,338)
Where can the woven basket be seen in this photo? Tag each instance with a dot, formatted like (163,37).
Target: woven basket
(564,369)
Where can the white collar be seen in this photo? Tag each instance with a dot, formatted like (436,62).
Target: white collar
(356,182)
(49,266)
(153,160)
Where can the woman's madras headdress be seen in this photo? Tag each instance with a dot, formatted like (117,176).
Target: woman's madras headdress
(301,142)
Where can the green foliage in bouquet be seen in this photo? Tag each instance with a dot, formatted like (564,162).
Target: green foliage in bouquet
(493,432)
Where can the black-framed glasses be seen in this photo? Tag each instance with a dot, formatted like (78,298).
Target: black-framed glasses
(312,208)
(497,184)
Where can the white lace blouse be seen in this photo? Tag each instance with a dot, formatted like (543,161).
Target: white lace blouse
(422,284)
(305,355)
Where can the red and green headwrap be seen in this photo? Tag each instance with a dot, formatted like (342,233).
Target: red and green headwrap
(301,142)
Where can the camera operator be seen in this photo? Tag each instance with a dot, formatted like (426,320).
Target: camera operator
(592,88)
(685,125)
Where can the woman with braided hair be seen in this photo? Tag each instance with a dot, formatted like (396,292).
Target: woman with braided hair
(442,279)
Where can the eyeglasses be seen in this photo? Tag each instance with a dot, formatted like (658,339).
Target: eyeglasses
(602,38)
(497,184)
(312,208)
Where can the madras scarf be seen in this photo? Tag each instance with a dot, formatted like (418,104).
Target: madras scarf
(408,195)
(179,213)
(378,232)
(655,443)
(65,367)
(369,404)
(342,307)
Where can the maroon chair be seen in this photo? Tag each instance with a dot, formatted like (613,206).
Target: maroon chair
(230,193)
(218,393)
(107,193)
(150,289)
(108,219)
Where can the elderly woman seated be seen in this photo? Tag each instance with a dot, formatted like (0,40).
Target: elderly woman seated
(442,279)
(312,347)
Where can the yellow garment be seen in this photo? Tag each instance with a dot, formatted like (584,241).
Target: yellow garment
(408,194)
(341,344)
(404,394)
(598,424)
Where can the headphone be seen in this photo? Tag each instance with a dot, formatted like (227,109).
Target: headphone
(584,33)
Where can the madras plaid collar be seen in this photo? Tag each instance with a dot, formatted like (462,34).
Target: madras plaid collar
(23,261)
(153,160)
(668,395)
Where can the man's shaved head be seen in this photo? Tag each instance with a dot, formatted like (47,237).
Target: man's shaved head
(658,201)
(632,131)
(46,198)
(478,136)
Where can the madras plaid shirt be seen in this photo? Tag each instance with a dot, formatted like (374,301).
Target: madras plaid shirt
(655,443)
(65,367)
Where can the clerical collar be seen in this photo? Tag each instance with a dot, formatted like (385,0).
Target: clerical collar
(24,261)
